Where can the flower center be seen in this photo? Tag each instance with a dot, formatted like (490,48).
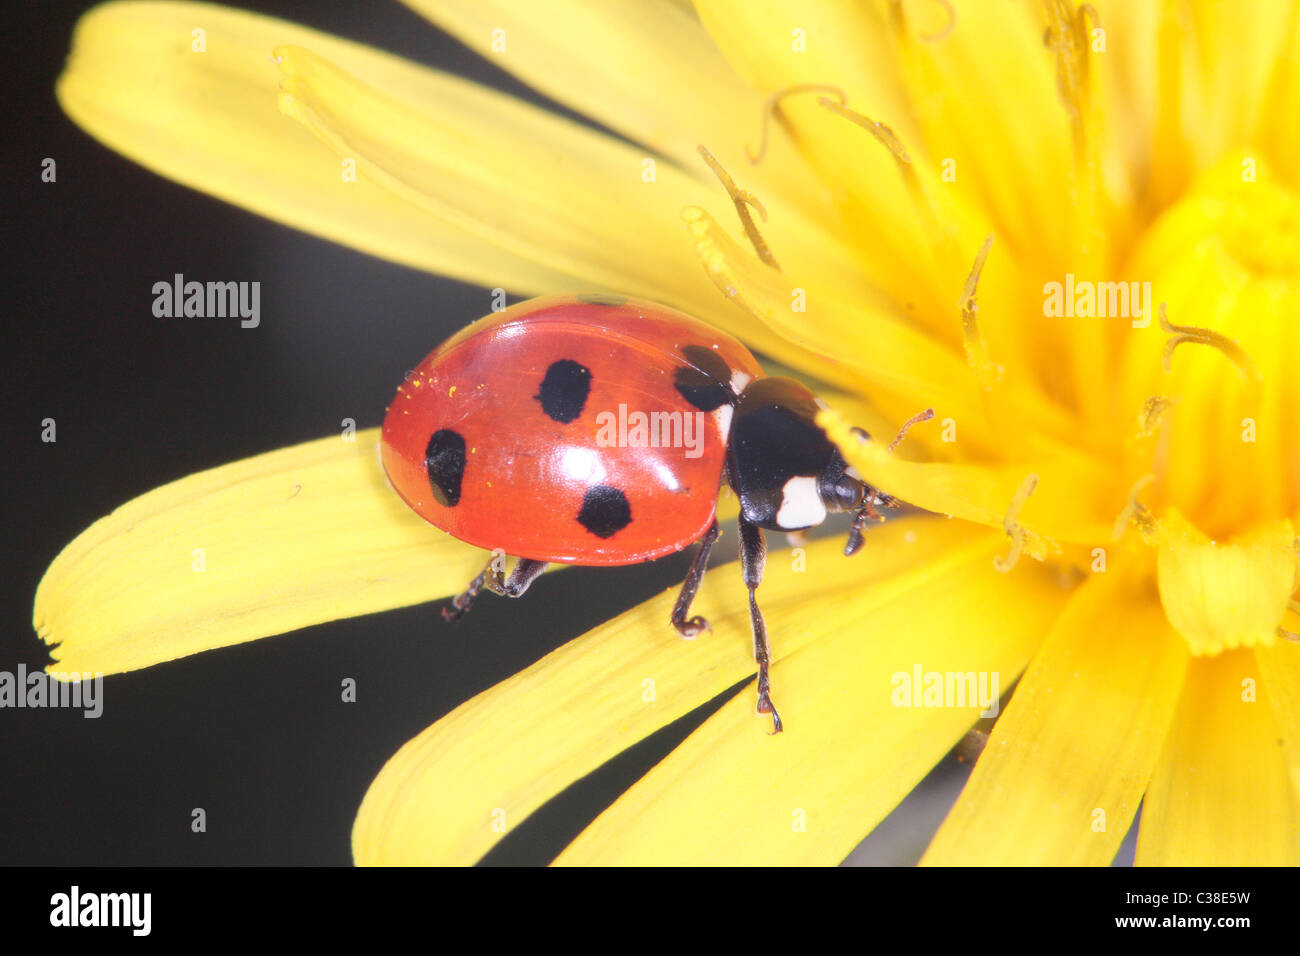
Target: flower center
(1259,225)
(1225,260)
(1214,401)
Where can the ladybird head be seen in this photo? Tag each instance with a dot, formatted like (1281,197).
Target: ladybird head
(786,473)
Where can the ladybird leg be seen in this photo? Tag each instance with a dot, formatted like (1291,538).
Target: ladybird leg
(692,627)
(462,602)
(753,558)
(522,575)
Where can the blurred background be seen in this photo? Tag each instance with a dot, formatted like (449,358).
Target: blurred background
(254,734)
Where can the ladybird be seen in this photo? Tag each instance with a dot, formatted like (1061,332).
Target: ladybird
(597,430)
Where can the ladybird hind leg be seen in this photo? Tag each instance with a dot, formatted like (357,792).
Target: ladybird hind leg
(493,577)
(694,626)
(753,558)
(521,577)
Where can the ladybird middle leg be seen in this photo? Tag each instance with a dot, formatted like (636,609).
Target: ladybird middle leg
(694,626)
(753,558)
(521,577)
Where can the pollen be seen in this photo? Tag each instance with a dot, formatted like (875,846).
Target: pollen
(1134,512)
(1153,413)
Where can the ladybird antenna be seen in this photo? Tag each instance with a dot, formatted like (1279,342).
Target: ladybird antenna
(924,416)
(872,497)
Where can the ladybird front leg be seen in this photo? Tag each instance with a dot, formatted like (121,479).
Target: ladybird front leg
(753,557)
(459,605)
(696,625)
(493,577)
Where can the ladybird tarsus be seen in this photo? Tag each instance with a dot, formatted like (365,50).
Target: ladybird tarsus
(765,706)
(459,606)
(696,625)
(753,557)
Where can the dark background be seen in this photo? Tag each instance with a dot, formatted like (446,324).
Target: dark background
(255,734)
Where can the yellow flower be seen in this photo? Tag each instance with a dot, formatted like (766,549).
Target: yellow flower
(953,195)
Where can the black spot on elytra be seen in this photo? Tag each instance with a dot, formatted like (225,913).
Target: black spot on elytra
(706,384)
(564,390)
(445,460)
(605,511)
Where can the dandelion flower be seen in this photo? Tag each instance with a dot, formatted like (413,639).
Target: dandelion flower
(1073,231)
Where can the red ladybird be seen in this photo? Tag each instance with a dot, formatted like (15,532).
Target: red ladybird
(596,430)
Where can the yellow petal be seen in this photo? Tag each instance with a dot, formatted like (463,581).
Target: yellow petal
(847,336)
(1236,57)
(209,120)
(1067,763)
(257,547)
(1067,504)
(1283,139)
(1221,795)
(853,747)
(778,44)
(1221,596)
(525,181)
(643,68)
(985,97)
(1279,669)
(515,746)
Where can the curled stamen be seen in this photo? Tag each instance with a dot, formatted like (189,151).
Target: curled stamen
(1153,413)
(1134,512)
(896,10)
(941,238)
(977,349)
(743,199)
(882,132)
(924,416)
(1178,334)
(1066,36)
(1015,531)
(1286,635)
(948,28)
(773,105)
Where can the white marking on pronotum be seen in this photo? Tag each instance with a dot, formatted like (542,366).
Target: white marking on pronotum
(739,380)
(801,505)
(722,415)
